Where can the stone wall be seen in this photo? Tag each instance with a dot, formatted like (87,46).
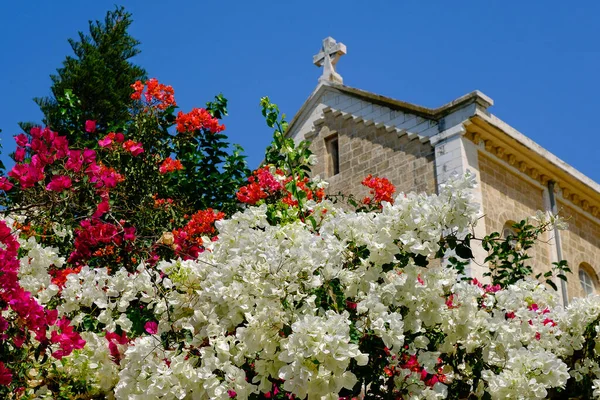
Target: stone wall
(510,197)
(580,244)
(363,150)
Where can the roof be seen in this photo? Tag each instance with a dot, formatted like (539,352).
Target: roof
(475,97)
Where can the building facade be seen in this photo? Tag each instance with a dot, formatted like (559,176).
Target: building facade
(355,133)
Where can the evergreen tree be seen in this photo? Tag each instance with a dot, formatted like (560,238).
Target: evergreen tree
(99,76)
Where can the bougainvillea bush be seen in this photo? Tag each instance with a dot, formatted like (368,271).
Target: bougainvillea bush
(293,297)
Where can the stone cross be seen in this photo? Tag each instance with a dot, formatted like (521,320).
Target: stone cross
(327,58)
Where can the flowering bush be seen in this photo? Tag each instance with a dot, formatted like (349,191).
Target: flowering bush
(148,177)
(293,297)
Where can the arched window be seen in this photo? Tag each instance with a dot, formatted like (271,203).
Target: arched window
(586,279)
(509,230)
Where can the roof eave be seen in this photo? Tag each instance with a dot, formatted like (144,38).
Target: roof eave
(477,97)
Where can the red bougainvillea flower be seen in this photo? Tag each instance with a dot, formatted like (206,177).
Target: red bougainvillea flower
(169,165)
(151,327)
(91,234)
(134,148)
(381,188)
(251,194)
(90,126)
(138,88)
(188,240)
(59,276)
(317,195)
(162,94)
(5,184)
(157,95)
(59,183)
(198,119)
(5,375)
(262,184)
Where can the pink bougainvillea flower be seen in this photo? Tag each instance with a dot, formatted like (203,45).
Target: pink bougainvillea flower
(266,180)
(68,339)
(5,375)
(134,148)
(129,233)
(60,146)
(19,154)
(90,126)
(151,327)
(59,183)
(18,341)
(5,184)
(103,176)
(3,324)
(36,132)
(21,140)
(106,142)
(111,137)
(74,162)
(27,174)
(102,209)
(35,318)
(89,156)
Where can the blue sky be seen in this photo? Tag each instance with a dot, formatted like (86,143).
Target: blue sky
(539,61)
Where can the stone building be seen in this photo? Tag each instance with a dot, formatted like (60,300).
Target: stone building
(355,133)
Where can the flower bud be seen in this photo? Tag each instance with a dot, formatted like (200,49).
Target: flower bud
(167,239)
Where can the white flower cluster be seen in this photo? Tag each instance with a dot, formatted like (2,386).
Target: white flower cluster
(95,288)
(288,307)
(317,355)
(33,272)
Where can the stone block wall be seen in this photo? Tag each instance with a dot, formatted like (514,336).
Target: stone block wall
(580,243)
(510,197)
(363,150)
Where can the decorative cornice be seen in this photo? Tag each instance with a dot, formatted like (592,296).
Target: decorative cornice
(366,121)
(491,141)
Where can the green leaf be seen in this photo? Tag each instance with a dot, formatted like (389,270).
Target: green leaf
(463,251)
(561,276)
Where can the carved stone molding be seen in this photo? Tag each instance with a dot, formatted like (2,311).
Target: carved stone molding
(488,143)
